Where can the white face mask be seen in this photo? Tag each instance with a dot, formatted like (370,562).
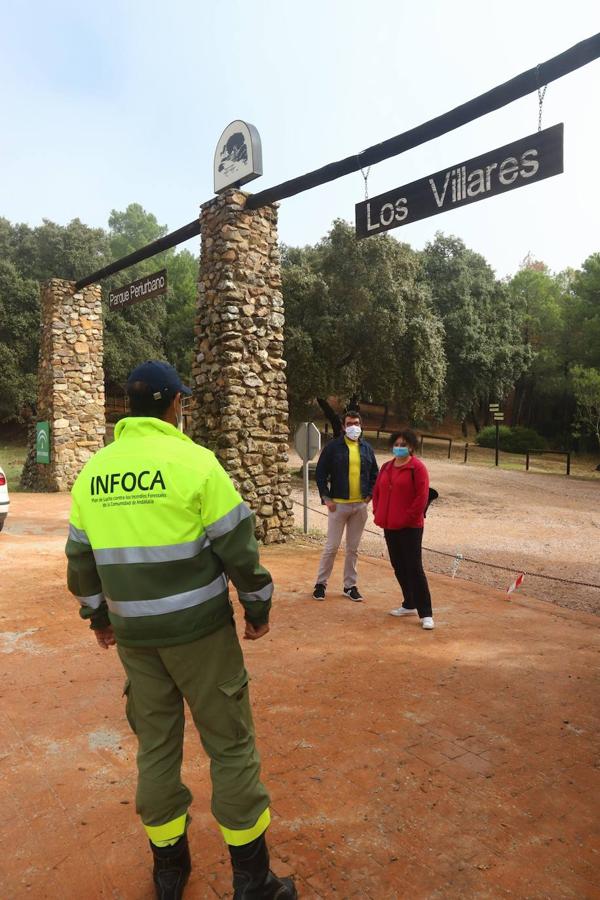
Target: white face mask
(353,432)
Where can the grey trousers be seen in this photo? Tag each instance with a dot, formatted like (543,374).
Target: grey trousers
(352,517)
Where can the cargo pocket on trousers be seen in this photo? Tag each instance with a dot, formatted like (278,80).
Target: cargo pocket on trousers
(238,704)
(129,704)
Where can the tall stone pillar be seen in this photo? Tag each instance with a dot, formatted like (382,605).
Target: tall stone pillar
(70,384)
(239,372)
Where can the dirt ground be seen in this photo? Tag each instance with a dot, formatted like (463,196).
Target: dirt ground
(525,521)
(457,763)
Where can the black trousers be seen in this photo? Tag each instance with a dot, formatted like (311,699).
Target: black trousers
(404,548)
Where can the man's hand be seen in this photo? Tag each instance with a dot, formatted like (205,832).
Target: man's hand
(105,637)
(331,506)
(254,632)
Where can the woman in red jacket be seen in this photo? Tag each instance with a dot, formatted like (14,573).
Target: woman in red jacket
(399,500)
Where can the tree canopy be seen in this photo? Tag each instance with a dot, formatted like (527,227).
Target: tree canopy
(432,333)
(159,328)
(482,327)
(359,320)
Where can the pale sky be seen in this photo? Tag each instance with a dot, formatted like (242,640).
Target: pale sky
(107,104)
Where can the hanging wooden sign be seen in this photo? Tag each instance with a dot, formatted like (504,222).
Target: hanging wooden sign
(142,289)
(515,165)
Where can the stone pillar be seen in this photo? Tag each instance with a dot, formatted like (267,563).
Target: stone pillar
(70,384)
(241,408)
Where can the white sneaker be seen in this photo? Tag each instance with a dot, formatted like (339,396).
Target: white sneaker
(427,623)
(401,611)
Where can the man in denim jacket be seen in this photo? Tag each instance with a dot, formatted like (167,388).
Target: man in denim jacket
(346,473)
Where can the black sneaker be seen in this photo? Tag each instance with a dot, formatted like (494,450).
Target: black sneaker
(319,592)
(353,593)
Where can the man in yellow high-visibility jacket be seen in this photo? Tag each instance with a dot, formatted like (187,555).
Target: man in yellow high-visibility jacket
(156,531)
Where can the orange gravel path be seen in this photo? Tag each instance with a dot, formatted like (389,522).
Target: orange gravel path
(456,763)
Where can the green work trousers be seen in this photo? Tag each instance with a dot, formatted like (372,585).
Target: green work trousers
(209,674)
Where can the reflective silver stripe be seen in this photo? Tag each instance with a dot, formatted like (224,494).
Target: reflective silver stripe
(228,522)
(93,601)
(132,608)
(79,535)
(165,553)
(264,594)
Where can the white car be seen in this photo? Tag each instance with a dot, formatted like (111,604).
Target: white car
(4,498)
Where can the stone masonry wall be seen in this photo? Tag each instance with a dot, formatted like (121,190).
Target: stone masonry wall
(239,371)
(70,384)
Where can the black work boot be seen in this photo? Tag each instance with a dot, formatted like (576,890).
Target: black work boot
(252,878)
(172,867)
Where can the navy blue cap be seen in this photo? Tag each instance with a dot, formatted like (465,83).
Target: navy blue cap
(161,378)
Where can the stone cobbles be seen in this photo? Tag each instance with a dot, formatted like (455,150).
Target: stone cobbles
(239,372)
(70,384)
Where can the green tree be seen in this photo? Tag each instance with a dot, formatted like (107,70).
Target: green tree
(160,328)
(30,255)
(586,387)
(561,326)
(482,327)
(540,390)
(19,327)
(584,311)
(359,320)
(182,269)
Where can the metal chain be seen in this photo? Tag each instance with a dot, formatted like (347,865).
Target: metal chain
(477,562)
(365,175)
(541,94)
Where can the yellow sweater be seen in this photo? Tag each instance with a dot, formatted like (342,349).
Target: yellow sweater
(353,473)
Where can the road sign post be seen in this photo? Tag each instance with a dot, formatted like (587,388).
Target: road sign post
(498,418)
(307,442)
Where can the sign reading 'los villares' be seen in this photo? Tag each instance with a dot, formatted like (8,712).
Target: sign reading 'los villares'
(142,289)
(530,159)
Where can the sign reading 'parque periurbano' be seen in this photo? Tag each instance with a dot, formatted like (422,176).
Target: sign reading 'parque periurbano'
(530,159)
(142,289)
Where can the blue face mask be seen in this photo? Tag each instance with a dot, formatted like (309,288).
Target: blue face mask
(401,452)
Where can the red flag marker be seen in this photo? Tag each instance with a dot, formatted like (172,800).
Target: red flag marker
(516,583)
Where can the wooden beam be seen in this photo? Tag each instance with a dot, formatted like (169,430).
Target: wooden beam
(519,86)
(163,243)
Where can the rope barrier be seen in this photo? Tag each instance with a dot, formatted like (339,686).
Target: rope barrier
(477,562)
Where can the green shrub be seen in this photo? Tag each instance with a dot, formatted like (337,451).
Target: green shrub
(511,440)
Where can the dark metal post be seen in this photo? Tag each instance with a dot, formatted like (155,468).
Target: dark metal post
(497,440)
(527,461)
(449,448)
(305,479)
(568,463)
(466,450)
